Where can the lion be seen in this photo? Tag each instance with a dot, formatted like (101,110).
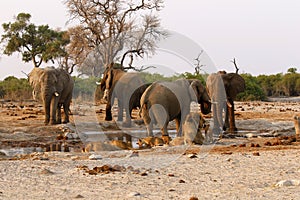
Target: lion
(111,145)
(150,142)
(191,129)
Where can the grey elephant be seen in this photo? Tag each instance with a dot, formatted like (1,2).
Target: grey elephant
(166,101)
(54,87)
(127,88)
(223,88)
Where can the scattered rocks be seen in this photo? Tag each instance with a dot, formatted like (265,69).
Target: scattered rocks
(106,169)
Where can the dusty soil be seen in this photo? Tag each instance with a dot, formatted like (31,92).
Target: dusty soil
(48,162)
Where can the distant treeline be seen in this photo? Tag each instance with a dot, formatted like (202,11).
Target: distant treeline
(257,87)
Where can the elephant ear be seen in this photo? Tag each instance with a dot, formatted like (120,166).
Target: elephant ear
(234,84)
(198,89)
(34,78)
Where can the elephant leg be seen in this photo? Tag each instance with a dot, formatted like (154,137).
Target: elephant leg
(148,119)
(178,127)
(58,114)
(226,125)
(150,129)
(66,106)
(108,115)
(216,128)
(127,122)
(47,112)
(232,127)
(120,110)
(164,129)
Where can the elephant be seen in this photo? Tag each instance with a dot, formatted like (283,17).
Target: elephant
(126,87)
(223,88)
(166,101)
(54,87)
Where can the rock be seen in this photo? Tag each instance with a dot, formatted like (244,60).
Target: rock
(95,157)
(286,183)
(256,154)
(192,155)
(133,154)
(250,135)
(134,194)
(46,172)
(79,196)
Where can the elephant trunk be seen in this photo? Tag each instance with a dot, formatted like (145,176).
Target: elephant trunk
(50,99)
(47,102)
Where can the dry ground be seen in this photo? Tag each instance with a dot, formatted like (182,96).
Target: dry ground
(39,162)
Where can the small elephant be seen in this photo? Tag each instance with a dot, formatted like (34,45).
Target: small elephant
(126,87)
(55,88)
(166,101)
(223,88)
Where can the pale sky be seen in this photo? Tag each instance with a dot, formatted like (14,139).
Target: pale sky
(263,35)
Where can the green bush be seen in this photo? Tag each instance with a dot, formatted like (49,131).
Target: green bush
(15,89)
(85,88)
(253,90)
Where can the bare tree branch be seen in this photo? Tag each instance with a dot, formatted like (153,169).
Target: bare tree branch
(198,65)
(111,27)
(235,65)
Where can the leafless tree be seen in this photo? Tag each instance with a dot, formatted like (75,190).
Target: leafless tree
(235,65)
(118,27)
(77,50)
(198,65)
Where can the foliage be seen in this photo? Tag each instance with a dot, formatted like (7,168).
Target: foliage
(15,89)
(36,43)
(281,84)
(253,90)
(196,75)
(84,88)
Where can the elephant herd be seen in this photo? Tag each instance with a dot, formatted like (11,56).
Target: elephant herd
(159,102)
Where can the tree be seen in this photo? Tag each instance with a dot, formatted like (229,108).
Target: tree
(77,50)
(289,84)
(198,65)
(115,29)
(292,70)
(36,43)
(253,90)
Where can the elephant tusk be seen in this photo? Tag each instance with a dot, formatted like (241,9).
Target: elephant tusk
(105,95)
(56,94)
(229,104)
(98,83)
